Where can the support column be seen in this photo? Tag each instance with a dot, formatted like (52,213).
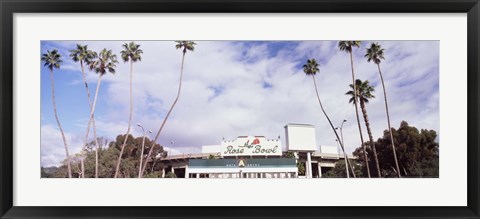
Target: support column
(198,175)
(319,170)
(163,172)
(186,172)
(309,165)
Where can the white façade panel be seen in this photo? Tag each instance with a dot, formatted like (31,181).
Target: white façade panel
(300,137)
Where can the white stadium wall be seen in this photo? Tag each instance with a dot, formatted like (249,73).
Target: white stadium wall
(328,149)
(211,149)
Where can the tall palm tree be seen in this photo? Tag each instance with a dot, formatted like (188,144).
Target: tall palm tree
(102,63)
(185,46)
(85,56)
(364,93)
(375,53)
(53,60)
(347,46)
(311,69)
(132,53)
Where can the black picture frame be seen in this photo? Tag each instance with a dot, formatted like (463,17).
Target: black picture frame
(9,7)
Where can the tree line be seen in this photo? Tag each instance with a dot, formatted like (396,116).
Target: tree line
(105,165)
(417,150)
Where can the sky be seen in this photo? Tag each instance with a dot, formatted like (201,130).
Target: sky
(235,88)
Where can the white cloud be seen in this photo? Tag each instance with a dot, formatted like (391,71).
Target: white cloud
(223,92)
(52,147)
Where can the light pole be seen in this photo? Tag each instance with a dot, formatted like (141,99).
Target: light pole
(343,143)
(338,146)
(141,153)
(339,150)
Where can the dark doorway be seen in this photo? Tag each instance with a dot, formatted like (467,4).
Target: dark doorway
(315,170)
(180,172)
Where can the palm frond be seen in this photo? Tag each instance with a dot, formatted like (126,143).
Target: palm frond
(186,45)
(103,62)
(348,45)
(52,59)
(364,91)
(311,67)
(131,52)
(375,53)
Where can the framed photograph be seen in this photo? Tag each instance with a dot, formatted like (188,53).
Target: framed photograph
(201,109)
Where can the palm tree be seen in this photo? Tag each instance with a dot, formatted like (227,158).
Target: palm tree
(364,93)
(132,53)
(83,55)
(347,46)
(185,46)
(102,63)
(311,69)
(52,60)
(375,53)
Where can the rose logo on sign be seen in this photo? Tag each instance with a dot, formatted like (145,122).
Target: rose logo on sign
(251,145)
(247,145)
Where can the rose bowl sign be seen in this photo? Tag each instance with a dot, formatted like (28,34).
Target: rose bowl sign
(251,146)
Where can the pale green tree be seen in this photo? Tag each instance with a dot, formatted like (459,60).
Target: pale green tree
(52,59)
(132,53)
(347,46)
(375,53)
(84,56)
(184,46)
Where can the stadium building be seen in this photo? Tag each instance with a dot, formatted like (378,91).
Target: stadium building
(257,157)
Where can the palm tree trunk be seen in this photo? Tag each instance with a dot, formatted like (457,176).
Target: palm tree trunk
(93,120)
(369,131)
(129,121)
(78,171)
(82,164)
(153,166)
(59,125)
(141,158)
(388,119)
(331,125)
(358,118)
(96,151)
(90,120)
(166,118)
